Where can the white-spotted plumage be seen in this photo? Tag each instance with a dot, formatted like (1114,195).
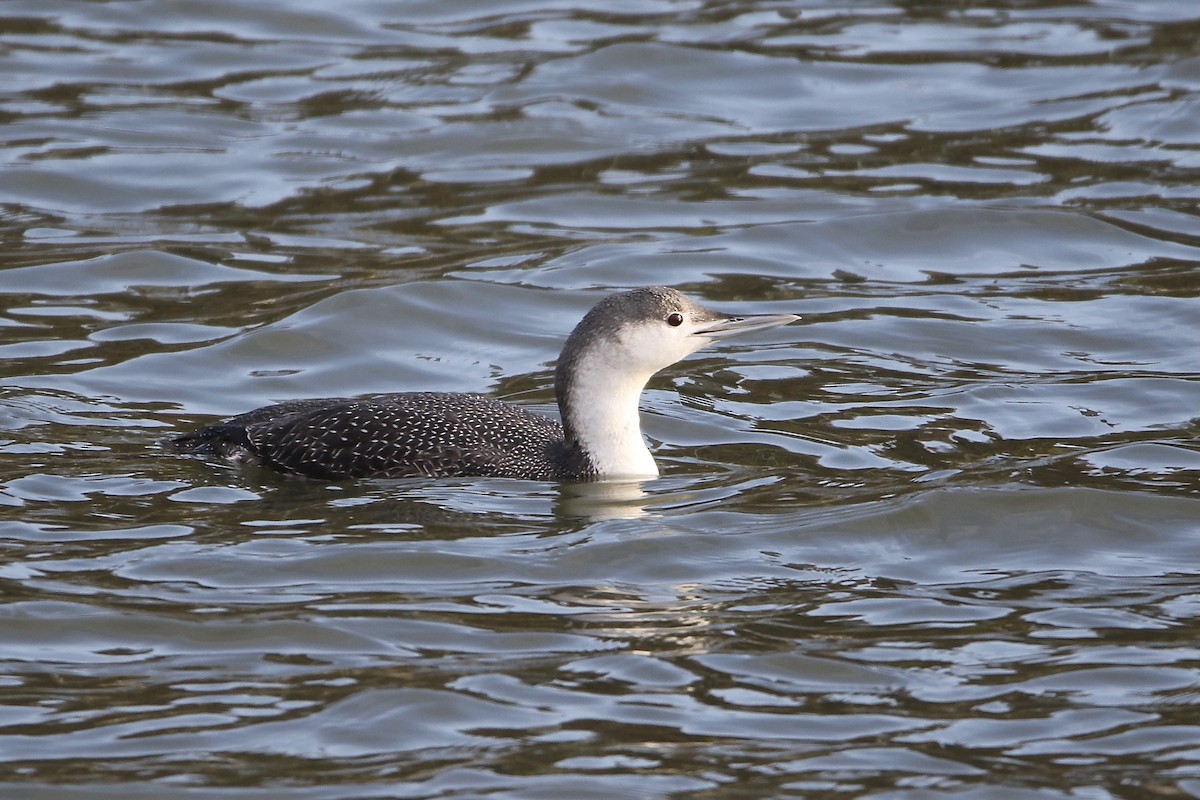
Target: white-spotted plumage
(603,368)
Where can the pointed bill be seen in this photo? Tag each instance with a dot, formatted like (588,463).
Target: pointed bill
(735,326)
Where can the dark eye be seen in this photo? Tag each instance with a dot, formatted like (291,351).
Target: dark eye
(674,319)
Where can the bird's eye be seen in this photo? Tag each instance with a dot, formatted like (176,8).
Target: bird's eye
(674,319)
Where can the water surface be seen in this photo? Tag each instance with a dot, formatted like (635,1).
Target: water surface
(938,540)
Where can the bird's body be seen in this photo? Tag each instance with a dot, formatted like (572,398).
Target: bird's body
(601,372)
(395,436)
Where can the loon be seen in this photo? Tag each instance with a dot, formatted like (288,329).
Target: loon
(601,372)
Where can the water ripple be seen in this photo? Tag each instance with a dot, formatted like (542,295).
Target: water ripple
(937,540)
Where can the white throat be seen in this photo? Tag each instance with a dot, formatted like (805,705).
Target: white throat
(605,418)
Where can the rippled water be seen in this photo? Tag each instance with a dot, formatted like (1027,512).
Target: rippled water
(941,539)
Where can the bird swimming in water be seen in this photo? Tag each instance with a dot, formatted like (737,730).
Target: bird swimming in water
(601,372)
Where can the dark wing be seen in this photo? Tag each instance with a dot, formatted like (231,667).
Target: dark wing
(427,434)
(228,439)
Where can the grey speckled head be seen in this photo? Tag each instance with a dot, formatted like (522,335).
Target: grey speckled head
(617,313)
(625,309)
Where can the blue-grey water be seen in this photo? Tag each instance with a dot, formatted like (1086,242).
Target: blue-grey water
(940,539)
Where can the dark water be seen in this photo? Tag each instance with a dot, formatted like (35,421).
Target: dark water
(941,539)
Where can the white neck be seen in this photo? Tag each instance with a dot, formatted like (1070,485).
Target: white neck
(605,418)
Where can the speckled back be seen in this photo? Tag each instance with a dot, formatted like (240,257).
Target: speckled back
(430,434)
